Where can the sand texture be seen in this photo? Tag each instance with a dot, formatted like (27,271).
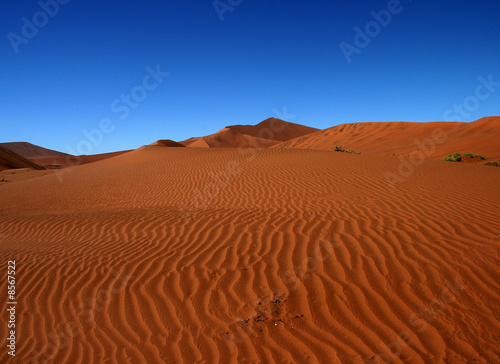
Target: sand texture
(224,255)
(436,140)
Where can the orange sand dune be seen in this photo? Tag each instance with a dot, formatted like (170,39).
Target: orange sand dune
(228,138)
(436,140)
(274,129)
(69,160)
(196,142)
(167,143)
(265,134)
(11,160)
(30,151)
(52,159)
(196,255)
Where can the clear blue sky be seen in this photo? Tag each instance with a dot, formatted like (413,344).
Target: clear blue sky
(263,55)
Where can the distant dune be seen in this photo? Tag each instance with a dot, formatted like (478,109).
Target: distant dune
(265,134)
(288,254)
(11,160)
(31,151)
(167,143)
(200,255)
(402,138)
(70,160)
(51,159)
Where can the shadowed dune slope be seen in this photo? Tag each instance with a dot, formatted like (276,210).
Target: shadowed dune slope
(11,160)
(30,151)
(197,142)
(228,138)
(265,134)
(167,143)
(70,160)
(404,138)
(196,255)
(274,129)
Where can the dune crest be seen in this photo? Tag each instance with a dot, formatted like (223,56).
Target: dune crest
(404,138)
(31,151)
(12,160)
(265,134)
(167,143)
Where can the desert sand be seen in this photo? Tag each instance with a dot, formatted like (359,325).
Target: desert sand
(70,160)
(15,155)
(408,138)
(28,150)
(269,132)
(276,255)
(12,160)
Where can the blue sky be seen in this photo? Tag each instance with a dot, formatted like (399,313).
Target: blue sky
(237,65)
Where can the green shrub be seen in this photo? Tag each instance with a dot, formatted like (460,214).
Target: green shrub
(453,158)
(456,157)
(338,148)
(493,163)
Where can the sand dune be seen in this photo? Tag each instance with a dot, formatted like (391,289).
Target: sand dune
(52,159)
(70,160)
(196,255)
(11,160)
(195,142)
(404,138)
(30,151)
(281,130)
(167,143)
(265,134)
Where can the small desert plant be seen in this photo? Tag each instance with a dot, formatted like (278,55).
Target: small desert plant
(493,163)
(456,157)
(470,155)
(453,158)
(338,148)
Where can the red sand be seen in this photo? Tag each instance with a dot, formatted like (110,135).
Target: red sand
(69,160)
(202,255)
(269,132)
(11,160)
(436,140)
(28,150)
